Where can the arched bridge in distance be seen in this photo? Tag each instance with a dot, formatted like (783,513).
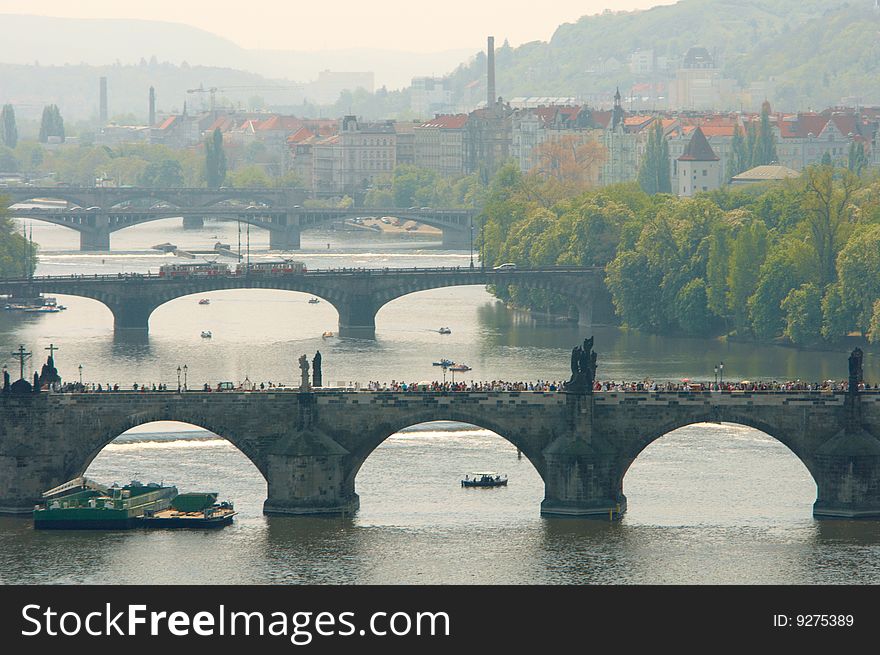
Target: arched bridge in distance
(310,444)
(357,294)
(97,212)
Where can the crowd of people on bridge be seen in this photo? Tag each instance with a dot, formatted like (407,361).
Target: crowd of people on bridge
(684,386)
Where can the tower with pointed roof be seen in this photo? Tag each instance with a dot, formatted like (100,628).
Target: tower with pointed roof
(699,168)
(617,114)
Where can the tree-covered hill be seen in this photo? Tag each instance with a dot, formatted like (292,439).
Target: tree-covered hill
(816,51)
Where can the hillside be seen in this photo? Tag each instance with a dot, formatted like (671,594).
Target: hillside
(815,50)
(60,41)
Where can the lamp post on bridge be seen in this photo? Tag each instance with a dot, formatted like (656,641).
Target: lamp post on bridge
(185,368)
(472,242)
(721,371)
(80,375)
(716,375)
(178,379)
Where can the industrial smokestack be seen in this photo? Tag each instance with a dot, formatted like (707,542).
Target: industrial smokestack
(102,111)
(490,65)
(152,107)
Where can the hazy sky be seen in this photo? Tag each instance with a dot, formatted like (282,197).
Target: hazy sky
(414,25)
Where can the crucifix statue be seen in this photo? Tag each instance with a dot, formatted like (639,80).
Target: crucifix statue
(22,358)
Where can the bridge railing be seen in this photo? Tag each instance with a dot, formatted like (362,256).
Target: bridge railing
(310,273)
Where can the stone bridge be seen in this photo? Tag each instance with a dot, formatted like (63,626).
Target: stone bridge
(357,295)
(310,445)
(96,212)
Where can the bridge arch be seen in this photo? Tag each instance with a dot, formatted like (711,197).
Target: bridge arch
(172,413)
(380,434)
(692,463)
(741,418)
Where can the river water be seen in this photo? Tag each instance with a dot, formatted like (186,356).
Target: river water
(707,503)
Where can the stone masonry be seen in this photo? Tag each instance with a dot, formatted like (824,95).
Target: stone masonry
(310,446)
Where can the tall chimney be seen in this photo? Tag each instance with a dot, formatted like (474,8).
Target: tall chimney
(102,111)
(490,66)
(152,107)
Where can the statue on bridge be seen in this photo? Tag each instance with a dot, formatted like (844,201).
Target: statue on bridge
(304,370)
(317,377)
(49,374)
(856,375)
(583,368)
(5,380)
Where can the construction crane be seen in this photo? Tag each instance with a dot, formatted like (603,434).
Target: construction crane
(260,87)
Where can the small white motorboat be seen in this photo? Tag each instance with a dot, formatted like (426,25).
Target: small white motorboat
(444,330)
(313,301)
(206,334)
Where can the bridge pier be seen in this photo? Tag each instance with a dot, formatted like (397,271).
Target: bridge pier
(585,313)
(287,238)
(847,468)
(307,471)
(193,222)
(97,240)
(131,313)
(357,317)
(583,477)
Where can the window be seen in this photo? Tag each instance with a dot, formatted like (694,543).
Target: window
(704,172)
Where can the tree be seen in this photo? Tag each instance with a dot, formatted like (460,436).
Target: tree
(787,266)
(746,256)
(18,256)
(654,169)
(765,143)
(826,159)
(162,175)
(215,160)
(51,124)
(858,161)
(9,134)
(826,206)
(570,160)
(803,314)
(739,158)
(858,268)
(874,328)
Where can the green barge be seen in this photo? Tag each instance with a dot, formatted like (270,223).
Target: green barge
(84,504)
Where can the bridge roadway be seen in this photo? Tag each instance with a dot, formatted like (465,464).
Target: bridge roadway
(357,294)
(285,222)
(310,445)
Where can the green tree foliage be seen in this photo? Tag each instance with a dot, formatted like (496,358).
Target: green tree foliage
(215,160)
(747,253)
(162,175)
(8,128)
(858,268)
(836,316)
(874,328)
(826,204)
(654,169)
(18,256)
(739,158)
(858,161)
(51,124)
(787,266)
(803,314)
(765,142)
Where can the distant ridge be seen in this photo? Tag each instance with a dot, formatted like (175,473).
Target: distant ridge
(98,42)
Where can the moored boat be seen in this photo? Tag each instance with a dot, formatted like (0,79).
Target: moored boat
(205,301)
(206,334)
(314,301)
(191,510)
(83,504)
(484,479)
(446,363)
(459,367)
